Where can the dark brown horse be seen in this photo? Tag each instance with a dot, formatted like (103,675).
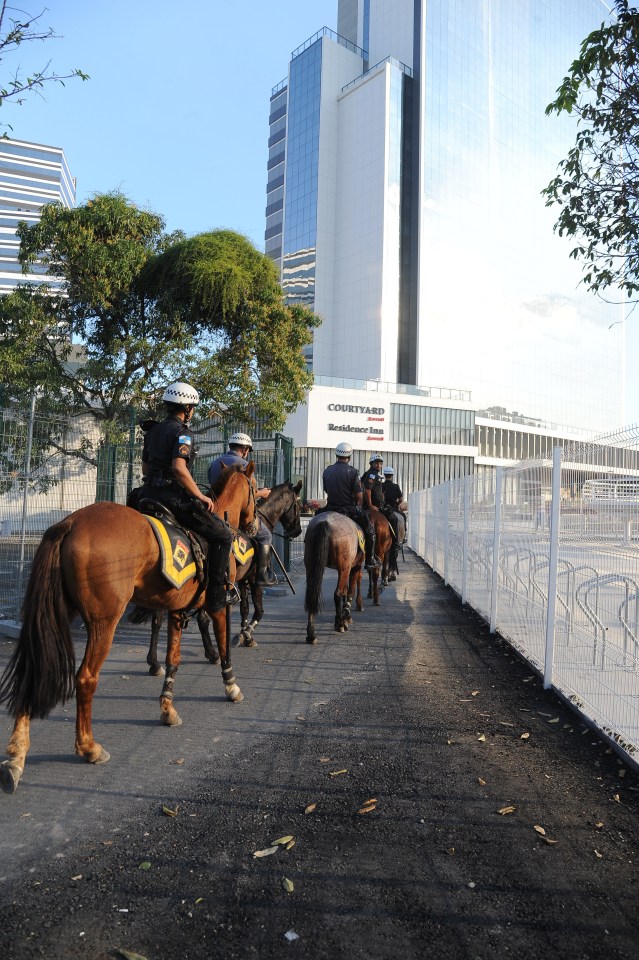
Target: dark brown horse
(383,548)
(94,563)
(332,541)
(398,541)
(282,506)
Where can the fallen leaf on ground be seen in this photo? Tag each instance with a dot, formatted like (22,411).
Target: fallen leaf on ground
(367,809)
(324,759)
(505,810)
(482,783)
(290,844)
(266,853)
(481,737)
(539,830)
(310,808)
(169,812)
(288,884)
(181,760)
(300,717)
(337,773)
(549,841)
(524,736)
(77,877)
(616,798)
(505,723)
(474,693)
(282,840)
(598,855)
(598,825)
(450,742)
(554,720)
(129,955)
(199,900)
(450,851)
(145,865)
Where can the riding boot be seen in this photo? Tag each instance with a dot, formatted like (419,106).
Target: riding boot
(371,559)
(219,594)
(264,576)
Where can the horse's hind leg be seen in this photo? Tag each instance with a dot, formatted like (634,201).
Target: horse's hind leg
(168,713)
(210,650)
(310,629)
(155,667)
(11,770)
(100,638)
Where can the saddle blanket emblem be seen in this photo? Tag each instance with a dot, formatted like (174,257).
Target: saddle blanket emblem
(242,549)
(361,541)
(178,563)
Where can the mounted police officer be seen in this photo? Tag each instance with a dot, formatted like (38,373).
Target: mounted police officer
(344,495)
(394,498)
(240,445)
(372,483)
(167,462)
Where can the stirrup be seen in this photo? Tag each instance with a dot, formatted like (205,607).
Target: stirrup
(232,594)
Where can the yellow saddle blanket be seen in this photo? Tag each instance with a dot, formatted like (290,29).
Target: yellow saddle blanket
(360,540)
(176,552)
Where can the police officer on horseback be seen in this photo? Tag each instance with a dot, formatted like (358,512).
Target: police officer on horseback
(240,445)
(167,462)
(344,495)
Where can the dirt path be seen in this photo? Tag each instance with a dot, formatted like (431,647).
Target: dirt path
(431,728)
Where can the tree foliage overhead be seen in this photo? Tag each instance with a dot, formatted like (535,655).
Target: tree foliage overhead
(14,32)
(126,309)
(597,186)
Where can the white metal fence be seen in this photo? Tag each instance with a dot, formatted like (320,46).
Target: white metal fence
(547,552)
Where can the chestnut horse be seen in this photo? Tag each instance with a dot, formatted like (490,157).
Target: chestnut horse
(282,506)
(94,563)
(383,548)
(332,541)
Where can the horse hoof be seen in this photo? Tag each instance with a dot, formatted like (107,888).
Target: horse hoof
(250,642)
(10,774)
(102,757)
(169,720)
(237,639)
(311,639)
(234,694)
(214,659)
(156,671)
(377,603)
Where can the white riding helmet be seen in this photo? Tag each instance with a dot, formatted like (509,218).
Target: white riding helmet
(389,472)
(344,449)
(242,440)
(374,457)
(181,393)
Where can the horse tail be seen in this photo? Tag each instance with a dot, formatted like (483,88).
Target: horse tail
(41,671)
(316,558)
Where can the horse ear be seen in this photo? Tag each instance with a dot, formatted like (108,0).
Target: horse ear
(298,487)
(250,469)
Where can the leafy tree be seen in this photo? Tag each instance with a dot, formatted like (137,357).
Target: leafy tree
(13,34)
(597,186)
(132,308)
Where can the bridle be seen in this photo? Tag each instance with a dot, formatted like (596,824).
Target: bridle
(296,507)
(250,527)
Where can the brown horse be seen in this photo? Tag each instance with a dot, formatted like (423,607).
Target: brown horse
(383,548)
(282,506)
(398,541)
(332,541)
(94,563)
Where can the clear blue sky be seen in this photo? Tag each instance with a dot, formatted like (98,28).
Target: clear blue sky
(175,114)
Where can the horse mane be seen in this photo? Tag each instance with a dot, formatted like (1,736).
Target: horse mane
(225,478)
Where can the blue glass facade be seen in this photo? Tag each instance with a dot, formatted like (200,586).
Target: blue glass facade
(302,162)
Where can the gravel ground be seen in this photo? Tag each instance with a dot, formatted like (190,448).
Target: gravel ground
(424,821)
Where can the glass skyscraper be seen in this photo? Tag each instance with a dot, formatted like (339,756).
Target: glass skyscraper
(407,153)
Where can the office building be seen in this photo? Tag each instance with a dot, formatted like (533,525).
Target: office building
(408,150)
(31,174)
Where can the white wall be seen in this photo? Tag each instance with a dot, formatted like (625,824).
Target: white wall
(391,31)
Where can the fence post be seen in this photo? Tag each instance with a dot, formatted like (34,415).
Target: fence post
(499,479)
(465,540)
(23,522)
(552,567)
(446,495)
